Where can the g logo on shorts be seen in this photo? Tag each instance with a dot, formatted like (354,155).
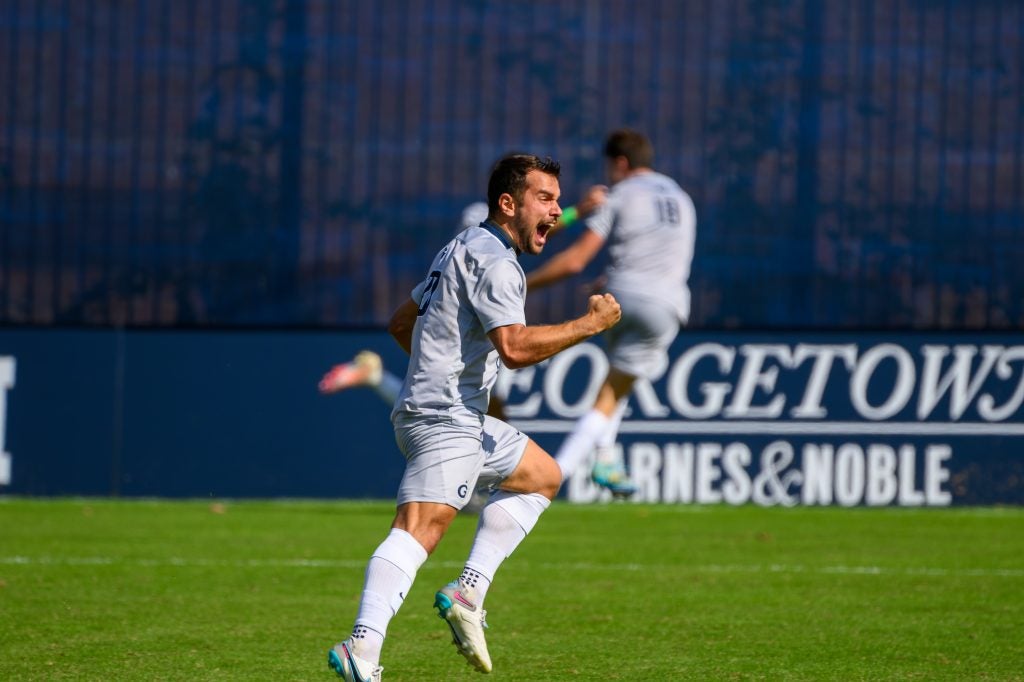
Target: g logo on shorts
(446,459)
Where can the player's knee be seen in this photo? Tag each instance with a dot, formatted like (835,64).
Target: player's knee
(536,473)
(426,523)
(549,478)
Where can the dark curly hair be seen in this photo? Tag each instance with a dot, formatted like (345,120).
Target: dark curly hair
(509,176)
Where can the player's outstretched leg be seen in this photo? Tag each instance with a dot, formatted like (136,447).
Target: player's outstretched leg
(588,435)
(344,660)
(365,369)
(458,605)
(609,470)
(613,476)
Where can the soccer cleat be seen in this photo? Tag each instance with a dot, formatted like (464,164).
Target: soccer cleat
(349,666)
(456,604)
(365,369)
(614,478)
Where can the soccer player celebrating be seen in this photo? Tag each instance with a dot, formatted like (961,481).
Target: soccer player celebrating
(367,369)
(467,313)
(649,224)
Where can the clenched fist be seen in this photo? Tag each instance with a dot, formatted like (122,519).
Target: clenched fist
(605,310)
(593,199)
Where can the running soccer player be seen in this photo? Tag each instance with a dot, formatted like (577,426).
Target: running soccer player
(468,312)
(649,224)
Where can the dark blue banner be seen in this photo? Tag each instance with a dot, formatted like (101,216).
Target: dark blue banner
(814,419)
(809,419)
(193,414)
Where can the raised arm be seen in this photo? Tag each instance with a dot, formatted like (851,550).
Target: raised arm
(567,263)
(520,345)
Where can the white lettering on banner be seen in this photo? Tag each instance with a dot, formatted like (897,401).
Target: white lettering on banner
(935,474)
(677,473)
(810,407)
(708,473)
(647,400)
(646,462)
(714,393)
(849,468)
(829,394)
(1004,370)
(901,391)
(558,368)
(753,376)
(522,380)
(848,475)
(7,366)
(881,484)
(737,486)
(957,376)
(769,487)
(818,474)
(909,495)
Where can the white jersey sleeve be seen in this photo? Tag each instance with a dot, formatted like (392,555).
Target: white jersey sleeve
(602,219)
(417,291)
(499,295)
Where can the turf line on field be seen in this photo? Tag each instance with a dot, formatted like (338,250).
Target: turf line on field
(575,566)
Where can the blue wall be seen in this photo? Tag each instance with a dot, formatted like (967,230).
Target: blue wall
(855,163)
(803,418)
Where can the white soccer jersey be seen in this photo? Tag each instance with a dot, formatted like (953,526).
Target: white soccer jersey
(650,226)
(474,285)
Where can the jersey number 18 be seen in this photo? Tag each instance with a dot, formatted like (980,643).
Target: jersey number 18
(668,210)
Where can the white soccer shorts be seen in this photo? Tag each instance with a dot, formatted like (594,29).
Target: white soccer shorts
(638,345)
(448,457)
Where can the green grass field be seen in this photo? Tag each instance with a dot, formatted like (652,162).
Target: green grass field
(160,590)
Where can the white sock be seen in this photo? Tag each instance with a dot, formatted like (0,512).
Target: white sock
(389,387)
(504,521)
(606,451)
(389,575)
(478,581)
(580,442)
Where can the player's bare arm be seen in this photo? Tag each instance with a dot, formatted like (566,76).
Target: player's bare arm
(567,263)
(402,322)
(521,345)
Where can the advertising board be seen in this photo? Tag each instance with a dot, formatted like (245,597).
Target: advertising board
(769,419)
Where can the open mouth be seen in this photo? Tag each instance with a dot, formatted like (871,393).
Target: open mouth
(542,232)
